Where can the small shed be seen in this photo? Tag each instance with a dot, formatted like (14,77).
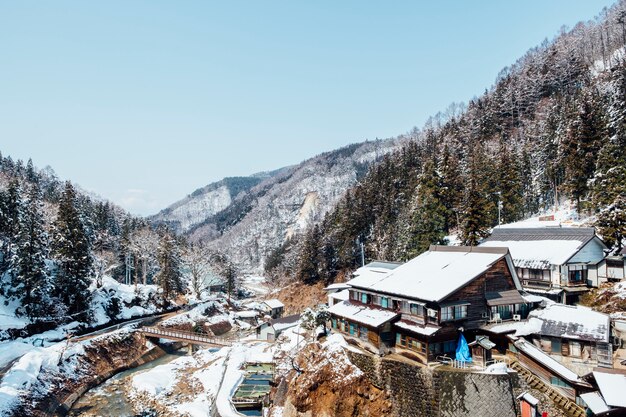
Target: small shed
(528,405)
(272,329)
(481,350)
(274,308)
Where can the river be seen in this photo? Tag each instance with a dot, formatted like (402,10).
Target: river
(109,398)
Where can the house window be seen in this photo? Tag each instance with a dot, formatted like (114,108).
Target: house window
(363,332)
(574,349)
(354,295)
(364,298)
(384,302)
(577,274)
(400,339)
(447,313)
(415,345)
(449,347)
(416,309)
(333,322)
(555,345)
(352,328)
(453,313)
(555,380)
(505,311)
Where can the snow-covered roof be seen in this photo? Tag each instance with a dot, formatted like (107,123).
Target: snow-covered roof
(337,286)
(571,322)
(538,248)
(274,303)
(528,398)
(612,387)
(434,274)
(361,314)
(364,277)
(341,295)
(417,328)
(247,313)
(595,402)
(547,361)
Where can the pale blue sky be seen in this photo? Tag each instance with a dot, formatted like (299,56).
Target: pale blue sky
(145,101)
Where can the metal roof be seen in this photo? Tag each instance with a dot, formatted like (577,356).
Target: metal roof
(581,234)
(504,298)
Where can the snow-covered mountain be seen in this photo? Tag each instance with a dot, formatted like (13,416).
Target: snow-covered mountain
(207,201)
(252,216)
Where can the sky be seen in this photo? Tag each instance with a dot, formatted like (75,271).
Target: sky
(142,102)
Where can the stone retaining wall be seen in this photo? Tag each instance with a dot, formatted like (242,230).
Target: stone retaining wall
(421,391)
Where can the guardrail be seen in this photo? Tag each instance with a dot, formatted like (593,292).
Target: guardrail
(182,335)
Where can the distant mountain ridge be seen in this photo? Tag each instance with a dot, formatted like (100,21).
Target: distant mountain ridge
(194,209)
(247,217)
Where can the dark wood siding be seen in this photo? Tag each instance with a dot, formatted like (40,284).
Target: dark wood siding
(497,278)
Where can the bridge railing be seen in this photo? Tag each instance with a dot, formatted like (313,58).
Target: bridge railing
(179,334)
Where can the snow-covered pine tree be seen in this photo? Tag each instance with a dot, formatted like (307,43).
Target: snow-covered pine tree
(10,207)
(475,219)
(72,250)
(427,223)
(30,277)
(509,185)
(169,277)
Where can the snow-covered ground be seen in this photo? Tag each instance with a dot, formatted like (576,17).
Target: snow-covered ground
(58,359)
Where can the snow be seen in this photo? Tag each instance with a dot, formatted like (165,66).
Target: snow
(337,286)
(341,295)
(537,254)
(365,276)
(274,303)
(571,322)
(433,275)
(361,314)
(499,368)
(506,327)
(8,320)
(415,328)
(546,360)
(595,402)
(612,387)
(129,295)
(528,398)
(246,314)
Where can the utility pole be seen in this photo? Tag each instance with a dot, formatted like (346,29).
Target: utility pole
(359,242)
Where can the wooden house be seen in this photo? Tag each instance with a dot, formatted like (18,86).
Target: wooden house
(421,305)
(609,397)
(556,262)
(270,330)
(274,308)
(545,367)
(577,337)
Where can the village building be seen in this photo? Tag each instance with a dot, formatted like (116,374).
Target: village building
(560,263)
(337,293)
(274,308)
(559,377)
(422,306)
(609,398)
(270,330)
(577,337)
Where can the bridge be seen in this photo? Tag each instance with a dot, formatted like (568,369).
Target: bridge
(182,336)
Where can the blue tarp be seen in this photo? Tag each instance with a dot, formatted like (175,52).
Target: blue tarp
(462,350)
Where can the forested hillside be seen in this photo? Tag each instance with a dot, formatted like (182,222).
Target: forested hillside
(60,249)
(552,128)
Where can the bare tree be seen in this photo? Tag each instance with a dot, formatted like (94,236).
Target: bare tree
(144,243)
(197,260)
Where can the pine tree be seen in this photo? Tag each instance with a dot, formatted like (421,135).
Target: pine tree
(308,270)
(475,221)
(428,216)
(451,186)
(509,186)
(72,250)
(30,276)
(169,277)
(10,209)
